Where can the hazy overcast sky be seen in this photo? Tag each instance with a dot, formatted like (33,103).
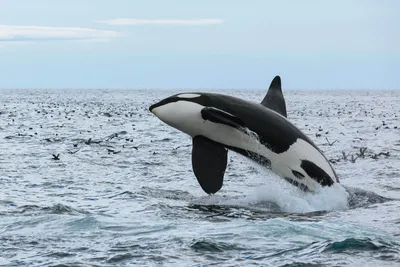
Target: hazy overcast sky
(312,44)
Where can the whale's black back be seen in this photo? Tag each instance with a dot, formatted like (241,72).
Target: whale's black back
(273,129)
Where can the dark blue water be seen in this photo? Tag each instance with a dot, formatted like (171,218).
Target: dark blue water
(123,193)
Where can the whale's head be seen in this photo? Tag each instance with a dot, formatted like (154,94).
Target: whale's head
(181,111)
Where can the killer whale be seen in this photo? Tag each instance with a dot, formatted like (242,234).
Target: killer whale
(260,131)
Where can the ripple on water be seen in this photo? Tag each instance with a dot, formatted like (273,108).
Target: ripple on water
(351,245)
(209,245)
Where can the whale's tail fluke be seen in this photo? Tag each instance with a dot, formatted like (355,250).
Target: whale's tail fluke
(274,99)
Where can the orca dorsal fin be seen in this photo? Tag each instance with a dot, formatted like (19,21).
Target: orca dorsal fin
(274,99)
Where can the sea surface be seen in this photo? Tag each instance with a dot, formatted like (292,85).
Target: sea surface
(92,178)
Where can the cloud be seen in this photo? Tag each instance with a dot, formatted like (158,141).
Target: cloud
(12,33)
(124,21)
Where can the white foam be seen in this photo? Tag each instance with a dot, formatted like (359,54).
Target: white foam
(327,199)
(287,197)
(292,199)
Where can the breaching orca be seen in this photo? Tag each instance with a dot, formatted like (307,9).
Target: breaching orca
(218,123)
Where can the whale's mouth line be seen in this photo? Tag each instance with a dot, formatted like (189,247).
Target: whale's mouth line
(164,102)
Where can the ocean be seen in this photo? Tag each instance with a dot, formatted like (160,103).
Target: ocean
(91,178)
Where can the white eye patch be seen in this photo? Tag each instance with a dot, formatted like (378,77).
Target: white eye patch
(188,95)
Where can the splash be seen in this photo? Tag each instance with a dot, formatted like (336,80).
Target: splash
(293,200)
(288,199)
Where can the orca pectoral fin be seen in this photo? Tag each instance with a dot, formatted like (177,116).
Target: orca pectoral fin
(222,117)
(274,99)
(209,160)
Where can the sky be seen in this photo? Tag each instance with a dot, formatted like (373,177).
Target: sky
(213,44)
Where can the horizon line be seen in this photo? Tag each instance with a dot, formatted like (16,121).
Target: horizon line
(195,89)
